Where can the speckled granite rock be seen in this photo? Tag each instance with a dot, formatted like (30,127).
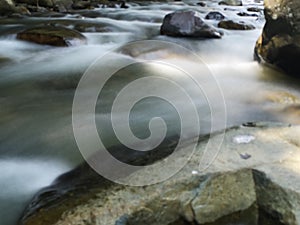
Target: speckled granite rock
(257,163)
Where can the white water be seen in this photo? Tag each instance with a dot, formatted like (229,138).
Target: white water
(37,87)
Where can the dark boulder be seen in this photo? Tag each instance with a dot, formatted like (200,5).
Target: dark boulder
(202,4)
(42,3)
(247,14)
(279,44)
(254,9)
(187,24)
(7,7)
(49,35)
(214,15)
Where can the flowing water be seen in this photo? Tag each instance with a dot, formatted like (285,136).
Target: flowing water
(37,85)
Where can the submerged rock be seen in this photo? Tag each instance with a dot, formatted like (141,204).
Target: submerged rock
(232,25)
(279,43)
(187,24)
(4,60)
(231,2)
(228,186)
(202,4)
(49,35)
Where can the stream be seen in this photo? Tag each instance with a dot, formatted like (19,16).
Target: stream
(37,86)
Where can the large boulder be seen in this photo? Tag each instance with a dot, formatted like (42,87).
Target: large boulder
(187,24)
(50,35)
(7,7)
(266,181)
(279,44)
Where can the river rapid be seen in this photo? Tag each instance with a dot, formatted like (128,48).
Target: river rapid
(37,85)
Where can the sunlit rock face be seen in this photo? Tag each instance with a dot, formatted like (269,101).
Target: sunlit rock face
(279,43)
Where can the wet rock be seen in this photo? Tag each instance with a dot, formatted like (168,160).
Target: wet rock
(202,4)
(279,44)
(123,5)
(86,27)
(42,3)
(62,6)
(231,2)
(247,14)
(49,35)
(214,15)
(187,24)
(81,5)
(4,61)
(254,9)
(37,10)
(232,25)
(228,186)
(281,97)
(22,10)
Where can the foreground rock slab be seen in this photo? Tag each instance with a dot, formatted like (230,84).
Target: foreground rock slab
(268,179)
(50,35)
(187,24)
(279,44)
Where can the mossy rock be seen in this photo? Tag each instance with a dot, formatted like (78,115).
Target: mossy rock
(56,36)
(232,25)
(4,60)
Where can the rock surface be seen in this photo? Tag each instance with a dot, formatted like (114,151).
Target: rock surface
(187,24)
(231,2)
(214,15)
(270,177)
(49,35)
(232,25)
(6,7)
(279,44)
(42,3)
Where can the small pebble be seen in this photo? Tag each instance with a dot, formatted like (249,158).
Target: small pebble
(245,156)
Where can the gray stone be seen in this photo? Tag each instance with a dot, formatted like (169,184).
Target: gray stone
(214,15)
(187,24)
